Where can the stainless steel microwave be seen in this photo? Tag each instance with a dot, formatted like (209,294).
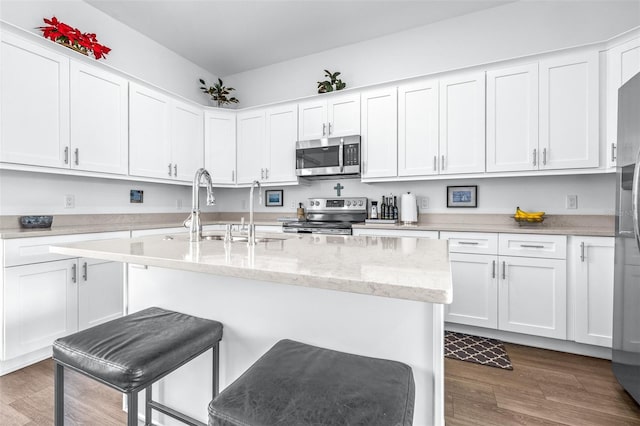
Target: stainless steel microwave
(328,157)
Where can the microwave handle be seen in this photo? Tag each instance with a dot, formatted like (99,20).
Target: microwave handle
(341,155)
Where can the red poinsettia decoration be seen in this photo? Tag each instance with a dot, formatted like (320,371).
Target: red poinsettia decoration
(73,38)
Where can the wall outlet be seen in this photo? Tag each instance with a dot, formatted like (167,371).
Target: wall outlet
(69,201)
(424,203)
(293,204)
(572,201)
(179,204)
(244,204)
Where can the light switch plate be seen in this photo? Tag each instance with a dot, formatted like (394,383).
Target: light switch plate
(572,201)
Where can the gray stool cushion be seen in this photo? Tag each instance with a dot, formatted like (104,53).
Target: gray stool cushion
(131,352)
(297,384)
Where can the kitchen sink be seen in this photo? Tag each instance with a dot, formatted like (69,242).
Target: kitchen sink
(241,239)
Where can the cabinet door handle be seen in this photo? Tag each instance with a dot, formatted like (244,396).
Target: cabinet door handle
(262,174)
(324,126)
(84,271)
(544,156)
(468,243)
(582,251)
(74,273)
(435,163)
(442,168)
(175,170)
(233,175)
(66,155)
(169,169)
(531,246)
(329,128)
(504,270)
(493,269)
(266,173)
(613,152)
(535,157)
(77,156)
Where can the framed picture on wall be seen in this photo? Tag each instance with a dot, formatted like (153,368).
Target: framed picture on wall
(273,198)
(462,196)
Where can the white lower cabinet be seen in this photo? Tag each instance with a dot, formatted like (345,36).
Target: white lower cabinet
(592,261)
(40,305)
(494,289)
(46,296)
(532,296)
(100,292)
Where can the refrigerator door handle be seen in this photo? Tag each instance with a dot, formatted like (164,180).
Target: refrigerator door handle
(634,198)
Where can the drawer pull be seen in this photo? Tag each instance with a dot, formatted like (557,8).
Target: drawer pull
(84,271)
(468,243)
(531,246)
(582,251)
(73,273)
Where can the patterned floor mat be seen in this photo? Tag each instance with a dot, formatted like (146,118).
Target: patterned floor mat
(479,350)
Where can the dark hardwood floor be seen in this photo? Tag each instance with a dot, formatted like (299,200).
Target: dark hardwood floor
(545,388)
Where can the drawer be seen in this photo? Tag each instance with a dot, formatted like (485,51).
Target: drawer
(396,233)
(529,245)
(471,242)
(22,251)
(157,231)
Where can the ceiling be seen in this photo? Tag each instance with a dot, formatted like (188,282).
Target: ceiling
(226,37)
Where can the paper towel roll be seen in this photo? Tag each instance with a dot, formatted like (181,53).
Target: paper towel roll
(408,208)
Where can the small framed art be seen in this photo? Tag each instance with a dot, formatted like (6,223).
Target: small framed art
(462,196)
(273,198)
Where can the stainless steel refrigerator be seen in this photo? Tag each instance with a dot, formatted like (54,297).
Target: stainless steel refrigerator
(626,304)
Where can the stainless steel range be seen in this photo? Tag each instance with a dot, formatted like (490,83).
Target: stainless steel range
(330,216)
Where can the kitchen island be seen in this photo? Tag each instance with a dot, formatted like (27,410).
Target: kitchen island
(375,296)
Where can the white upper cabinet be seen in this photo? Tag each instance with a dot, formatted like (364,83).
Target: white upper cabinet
(569,111)
(266,145)
(250,146)
(149,133)
(418,136)
(512,119)
(166,138)
(332,117)
(281,136)
(220,146)
(187,140)
(623,62)
(379,133)
(34,104)
(462,123)
(99,120)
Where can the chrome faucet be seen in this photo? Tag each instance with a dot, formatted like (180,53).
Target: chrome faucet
(252,227)
(193,221)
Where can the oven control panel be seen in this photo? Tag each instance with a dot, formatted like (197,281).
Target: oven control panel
(337,204)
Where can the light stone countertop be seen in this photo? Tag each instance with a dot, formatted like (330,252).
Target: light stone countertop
(403,268)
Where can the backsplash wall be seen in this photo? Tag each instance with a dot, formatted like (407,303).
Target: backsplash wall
(24,193)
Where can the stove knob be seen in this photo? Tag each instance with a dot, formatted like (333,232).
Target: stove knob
(360,203)
(348,203)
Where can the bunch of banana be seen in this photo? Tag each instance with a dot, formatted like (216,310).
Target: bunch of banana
(528,216)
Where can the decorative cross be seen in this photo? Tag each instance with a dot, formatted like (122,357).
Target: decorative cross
(338,187)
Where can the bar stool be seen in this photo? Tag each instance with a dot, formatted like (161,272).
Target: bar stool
(297,384)
(133,352)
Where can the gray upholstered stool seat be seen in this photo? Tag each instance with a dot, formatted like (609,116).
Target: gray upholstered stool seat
(297,384)
(132,352)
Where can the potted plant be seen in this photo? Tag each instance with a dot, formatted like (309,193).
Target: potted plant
(334,83)
(218,93)
(73,38)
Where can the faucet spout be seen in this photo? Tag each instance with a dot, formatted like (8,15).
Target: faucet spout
(195,225)
(251,240)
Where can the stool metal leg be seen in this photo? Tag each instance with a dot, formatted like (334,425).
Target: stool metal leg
(147,406)
(132,409)
(216,365)
(59,394)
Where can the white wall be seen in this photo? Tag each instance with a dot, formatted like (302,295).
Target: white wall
(505,32)
(596,194)
(132,52)
(23,193)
